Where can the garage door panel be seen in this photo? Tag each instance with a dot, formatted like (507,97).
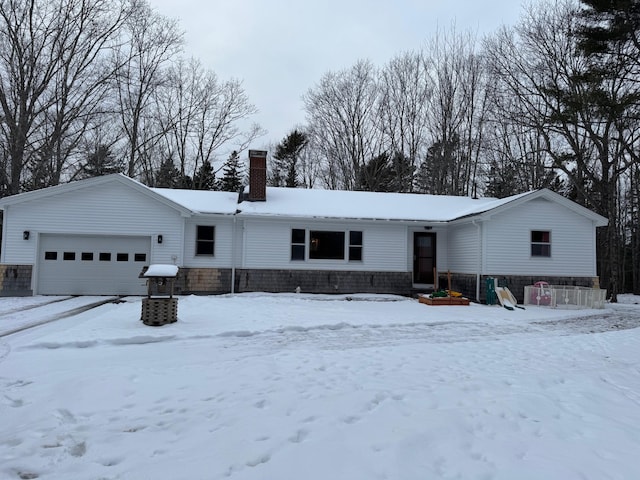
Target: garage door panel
(92,265)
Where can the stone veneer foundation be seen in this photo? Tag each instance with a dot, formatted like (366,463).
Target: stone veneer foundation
(212,281)
(466,283)
(15,280)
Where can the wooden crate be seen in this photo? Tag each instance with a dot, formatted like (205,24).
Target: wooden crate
(443,300)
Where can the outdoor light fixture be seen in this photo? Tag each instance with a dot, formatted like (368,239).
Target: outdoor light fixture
(25,235)
(428,227)
(159,238)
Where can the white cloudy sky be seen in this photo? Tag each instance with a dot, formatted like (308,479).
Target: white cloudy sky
(281,48)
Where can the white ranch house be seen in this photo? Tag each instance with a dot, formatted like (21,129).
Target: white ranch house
(95,236)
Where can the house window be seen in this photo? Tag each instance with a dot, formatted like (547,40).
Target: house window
(205,240)
(122,257)
(540,243)
(86,256)
(69,256)
(355,246)
(50,255)
(298,243)
(326,245)
(140,257)
(105,256)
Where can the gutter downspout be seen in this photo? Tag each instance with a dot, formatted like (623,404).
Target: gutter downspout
(233,253)
(479,267)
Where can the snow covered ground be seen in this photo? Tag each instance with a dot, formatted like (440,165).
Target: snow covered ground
(271,387)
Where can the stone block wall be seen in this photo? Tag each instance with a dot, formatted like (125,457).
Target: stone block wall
(311,281)
(15,280)
(203,281)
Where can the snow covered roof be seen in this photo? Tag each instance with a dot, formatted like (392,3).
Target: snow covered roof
(202,201)
(329,204)
(298,202)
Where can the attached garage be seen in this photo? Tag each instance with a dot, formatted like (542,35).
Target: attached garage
(91,265)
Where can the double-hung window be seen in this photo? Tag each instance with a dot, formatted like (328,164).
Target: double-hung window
(540,243)
(355,246)
(205,240)
(298,243)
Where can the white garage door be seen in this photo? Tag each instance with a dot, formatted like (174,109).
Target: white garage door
(92,265)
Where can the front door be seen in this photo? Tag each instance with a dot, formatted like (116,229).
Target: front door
(424,257)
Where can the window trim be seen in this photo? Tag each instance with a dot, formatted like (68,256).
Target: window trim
(540,244)
(347,247)
(205,241)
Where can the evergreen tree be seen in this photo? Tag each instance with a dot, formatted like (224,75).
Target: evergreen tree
(608,37)
(376,175)
(100,162)
(608,24)
(232,174)
(402,172)
(168,176)
(205,177)
(286,156)
(385,174)
(502,180)
(437,173)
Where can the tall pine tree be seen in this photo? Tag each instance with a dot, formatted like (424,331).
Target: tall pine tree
(232,174)
(205,177)
(168,176)
(100,162)
(609,39)
(286,159)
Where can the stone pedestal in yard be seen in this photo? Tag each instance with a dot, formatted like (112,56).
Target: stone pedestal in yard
(159,311)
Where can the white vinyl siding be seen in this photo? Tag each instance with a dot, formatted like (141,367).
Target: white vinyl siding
(106,209)
(508,239)
(464,246)
(267,244)
(223,242)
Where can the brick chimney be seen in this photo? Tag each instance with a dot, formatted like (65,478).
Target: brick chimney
(257,175)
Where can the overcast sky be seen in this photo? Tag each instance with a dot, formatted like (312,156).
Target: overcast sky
(281,48)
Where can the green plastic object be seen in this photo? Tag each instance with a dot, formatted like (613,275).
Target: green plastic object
(492,298)
(439,294)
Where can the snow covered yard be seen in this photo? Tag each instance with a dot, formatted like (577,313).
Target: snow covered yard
(261,386)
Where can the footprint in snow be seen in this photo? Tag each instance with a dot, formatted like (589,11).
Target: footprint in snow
(299,436)
(257,461)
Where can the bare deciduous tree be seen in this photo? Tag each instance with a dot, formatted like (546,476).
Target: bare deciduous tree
(149,43)
(343,123)
(53,79)
(201,115)
(457,111)
(405,93)
(581,119)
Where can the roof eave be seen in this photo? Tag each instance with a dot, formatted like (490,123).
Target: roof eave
(597,219)
(335,218)
(92,182)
